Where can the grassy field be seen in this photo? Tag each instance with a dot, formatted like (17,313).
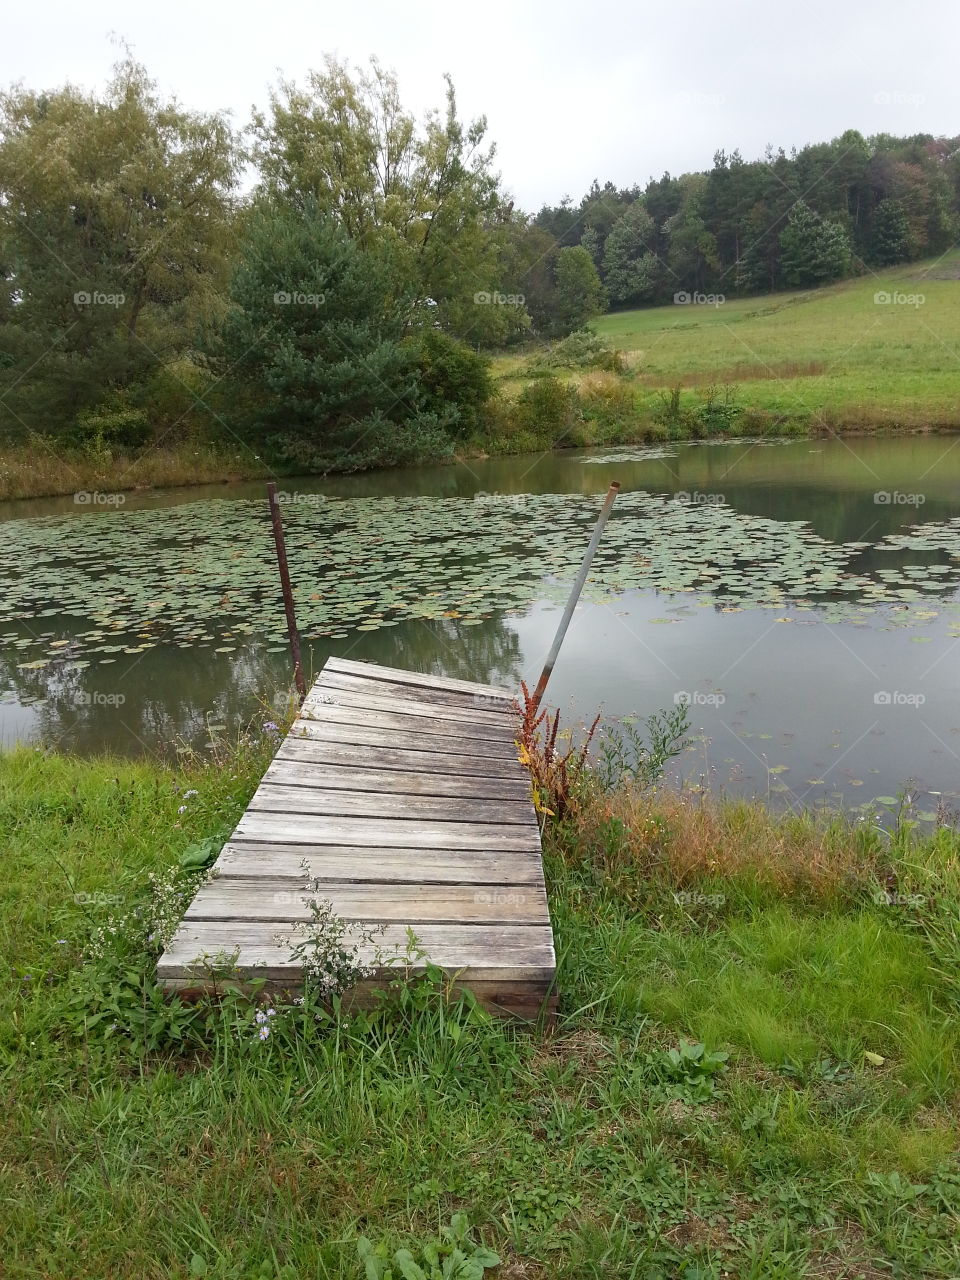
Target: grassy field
(827,358)
(146,1140)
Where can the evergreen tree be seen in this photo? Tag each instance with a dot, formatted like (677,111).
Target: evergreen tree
(890,240)
(813,250)
(311,355)
(630,269)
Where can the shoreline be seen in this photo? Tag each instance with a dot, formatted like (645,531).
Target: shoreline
(28,473)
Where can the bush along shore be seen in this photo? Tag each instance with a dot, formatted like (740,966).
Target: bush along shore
(754,1073)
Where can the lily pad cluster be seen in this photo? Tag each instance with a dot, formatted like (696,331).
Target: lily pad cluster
(204,573)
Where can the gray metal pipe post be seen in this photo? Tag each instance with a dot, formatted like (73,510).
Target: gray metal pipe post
(575,594)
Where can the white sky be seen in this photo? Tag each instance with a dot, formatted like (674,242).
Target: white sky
(572,89)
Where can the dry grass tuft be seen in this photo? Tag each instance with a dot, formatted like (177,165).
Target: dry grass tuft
(636,836)
(39,471)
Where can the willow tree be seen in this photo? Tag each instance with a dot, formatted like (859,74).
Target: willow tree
(115,232)
(428,192)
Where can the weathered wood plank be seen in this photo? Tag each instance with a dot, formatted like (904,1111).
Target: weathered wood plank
(260,861)
(325,694)
(393,782)
(317,750)
(274,798)
(373,735)
(489,953)
(227,898)
(334,713)
(374,671)
(428,696)
(387,833)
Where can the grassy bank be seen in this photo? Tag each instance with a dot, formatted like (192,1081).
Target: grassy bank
(44,469)
(821,959)
(830,359)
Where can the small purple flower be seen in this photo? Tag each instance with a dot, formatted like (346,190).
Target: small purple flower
(188,794)
(264,1033)
(270,727)
(61,942)
(182,809)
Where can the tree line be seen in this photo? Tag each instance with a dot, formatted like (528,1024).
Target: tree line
(785,221)
(336,311)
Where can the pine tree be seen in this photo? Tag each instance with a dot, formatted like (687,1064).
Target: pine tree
(890,240)
(813,249)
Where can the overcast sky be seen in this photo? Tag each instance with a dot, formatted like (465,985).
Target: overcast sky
(572,89)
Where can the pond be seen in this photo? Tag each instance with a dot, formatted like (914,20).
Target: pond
(801,596)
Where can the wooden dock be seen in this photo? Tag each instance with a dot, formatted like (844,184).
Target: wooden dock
(402,795)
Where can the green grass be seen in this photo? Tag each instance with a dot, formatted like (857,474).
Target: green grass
(825,358)
(574,1155)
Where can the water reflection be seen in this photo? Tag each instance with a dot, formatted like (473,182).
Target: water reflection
(794,711)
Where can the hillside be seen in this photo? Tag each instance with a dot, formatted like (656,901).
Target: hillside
(830,357)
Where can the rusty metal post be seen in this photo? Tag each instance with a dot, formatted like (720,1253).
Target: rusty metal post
(292,631)
(574,595)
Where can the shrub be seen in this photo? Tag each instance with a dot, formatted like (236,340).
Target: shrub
(608,402)
(113,424)
(173,397)
(582,349)
(373,441)
(453,375)
(716,414)
(548,409)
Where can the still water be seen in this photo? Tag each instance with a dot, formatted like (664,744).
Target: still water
(803,597)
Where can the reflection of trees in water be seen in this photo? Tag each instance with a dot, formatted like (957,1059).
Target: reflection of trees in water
(167,694)
(488,652)
(173,694)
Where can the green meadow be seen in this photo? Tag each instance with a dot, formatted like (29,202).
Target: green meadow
(754,1072)
(821,359)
